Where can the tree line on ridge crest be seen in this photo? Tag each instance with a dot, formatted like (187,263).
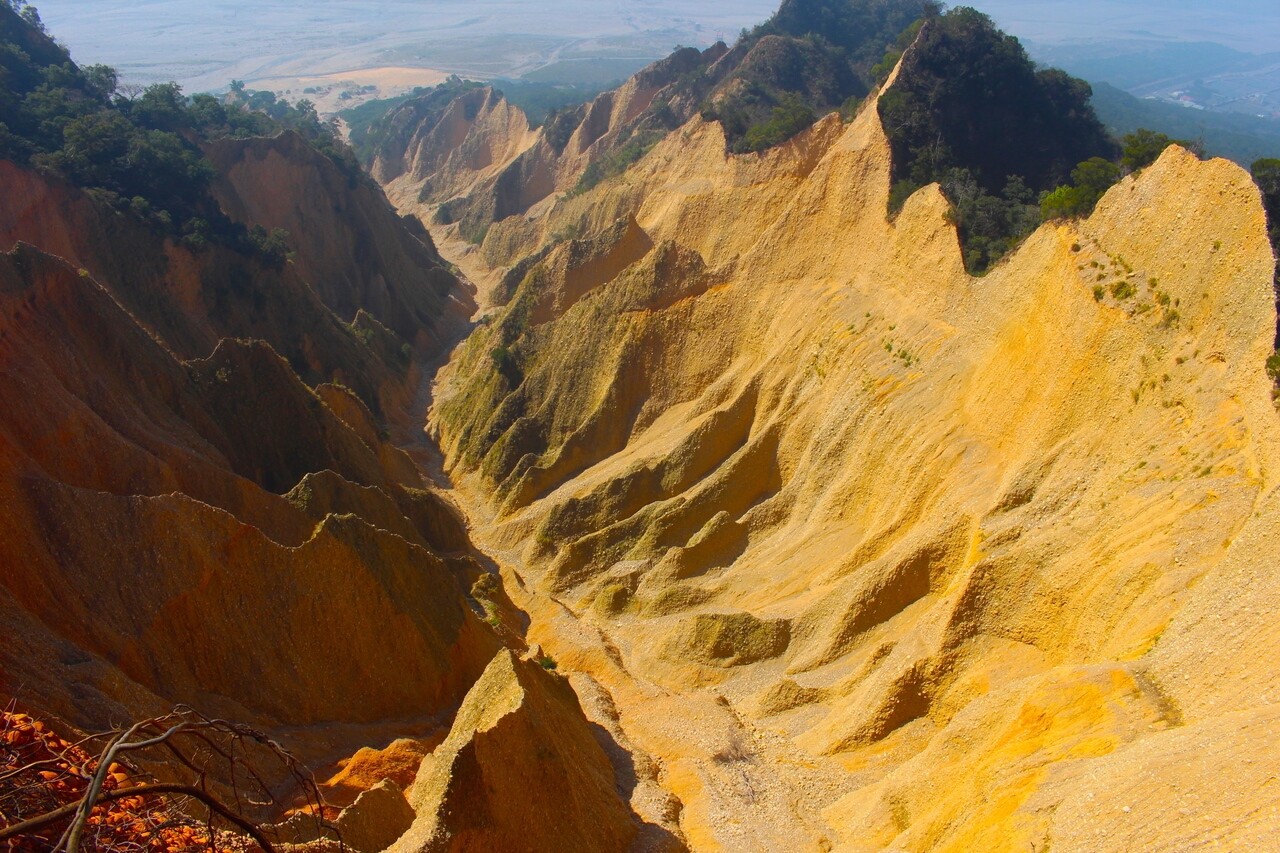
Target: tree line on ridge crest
(134,148)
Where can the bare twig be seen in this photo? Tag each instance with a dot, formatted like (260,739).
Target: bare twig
(104,763)
(70,809)
(220,751)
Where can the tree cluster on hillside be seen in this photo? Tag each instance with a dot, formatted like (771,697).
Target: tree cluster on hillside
(1091,178)
(862,29)
(136,148)
(57,116)
(1266,173)
(812,57)
(971,111)
(1089,181)
(248,113)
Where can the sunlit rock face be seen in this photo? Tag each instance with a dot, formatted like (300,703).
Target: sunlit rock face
(976,563)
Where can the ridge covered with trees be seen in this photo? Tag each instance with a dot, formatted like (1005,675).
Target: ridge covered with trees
(970,111)
(138,149)
(812,57)
(1266,174)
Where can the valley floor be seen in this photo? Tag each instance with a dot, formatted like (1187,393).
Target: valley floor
(696,771)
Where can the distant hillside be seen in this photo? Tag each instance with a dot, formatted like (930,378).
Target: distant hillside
(1131,64)
(1237,137)
(536,99)
(812,57)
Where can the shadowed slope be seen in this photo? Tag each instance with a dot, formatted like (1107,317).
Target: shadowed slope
(349,245)
(146,451)
(231,612)
(514,754)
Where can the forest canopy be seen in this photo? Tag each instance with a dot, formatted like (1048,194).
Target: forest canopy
(136,148)
(812,57)
(971,111)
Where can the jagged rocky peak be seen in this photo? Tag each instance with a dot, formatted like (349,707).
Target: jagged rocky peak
(809,60)
(752,417)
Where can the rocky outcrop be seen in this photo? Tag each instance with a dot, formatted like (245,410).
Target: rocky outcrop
(348,242)
(397,763)
(186,519)
(475,161)
(520,770)
(142,528)
(376,819)
(956,533)
(191,299)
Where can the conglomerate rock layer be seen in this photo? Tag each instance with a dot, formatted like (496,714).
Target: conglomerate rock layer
(837,546)
(185,518)
(869,553)
(204,503)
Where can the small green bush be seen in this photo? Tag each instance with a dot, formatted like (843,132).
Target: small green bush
(1123,290)
(506,364)
(1143,147)
(1273,366)
(1089,181)
(789,118)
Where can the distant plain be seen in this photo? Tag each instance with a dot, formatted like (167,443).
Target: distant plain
(1223,56)
(1252,26)
(204,45)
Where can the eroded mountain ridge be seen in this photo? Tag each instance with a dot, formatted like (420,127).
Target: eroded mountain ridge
(839,546)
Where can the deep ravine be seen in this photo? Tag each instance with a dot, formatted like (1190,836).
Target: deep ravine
(753,791)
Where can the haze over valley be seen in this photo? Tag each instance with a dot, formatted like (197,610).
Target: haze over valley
(1223,58)
(205,45)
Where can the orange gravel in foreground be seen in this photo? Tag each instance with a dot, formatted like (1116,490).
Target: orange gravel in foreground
(40,771)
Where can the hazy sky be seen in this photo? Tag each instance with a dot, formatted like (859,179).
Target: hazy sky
(204,44)
(1250,25)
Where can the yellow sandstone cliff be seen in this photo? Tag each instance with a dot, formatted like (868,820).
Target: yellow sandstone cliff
(871,554)
(831,545)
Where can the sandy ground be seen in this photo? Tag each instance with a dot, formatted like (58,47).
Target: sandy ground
(359,85)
